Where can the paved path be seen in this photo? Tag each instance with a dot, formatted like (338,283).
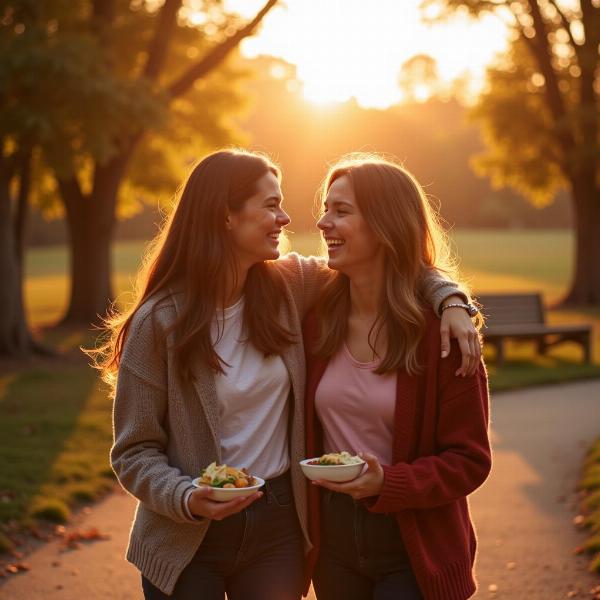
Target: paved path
(523,513)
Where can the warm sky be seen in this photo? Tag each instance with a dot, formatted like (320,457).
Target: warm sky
(342,49)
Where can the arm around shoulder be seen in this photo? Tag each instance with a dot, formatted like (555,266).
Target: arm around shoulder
(436,288)
(306,275)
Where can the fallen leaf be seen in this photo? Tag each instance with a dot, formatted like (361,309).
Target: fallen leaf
(510,565)
(72,539)
(579,520)
(493,588)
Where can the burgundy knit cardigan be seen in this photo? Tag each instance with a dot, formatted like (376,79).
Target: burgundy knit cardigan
(440,454)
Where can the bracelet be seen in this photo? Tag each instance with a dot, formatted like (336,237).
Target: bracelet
(471,309)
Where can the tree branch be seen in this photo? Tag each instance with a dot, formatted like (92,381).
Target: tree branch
(554,99)
(104,10)
(71,193)
(217,54)
(566,24)
(157,49)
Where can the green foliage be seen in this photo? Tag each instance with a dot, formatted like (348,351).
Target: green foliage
(6,544)
(539,113)
(518,130)
(74,87)
(52,510)
(590,505)
(59,91)
(198,123)
(55,432)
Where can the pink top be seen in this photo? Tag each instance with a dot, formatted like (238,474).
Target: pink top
(356,407)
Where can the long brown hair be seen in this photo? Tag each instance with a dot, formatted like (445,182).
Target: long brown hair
(396,209)
(193,252)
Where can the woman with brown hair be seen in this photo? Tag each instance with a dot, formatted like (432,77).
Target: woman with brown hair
(376,385)
(208,366)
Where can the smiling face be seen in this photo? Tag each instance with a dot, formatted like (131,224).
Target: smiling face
(351,243)
(255,229)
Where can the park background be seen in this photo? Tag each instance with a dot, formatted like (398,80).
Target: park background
(107,104)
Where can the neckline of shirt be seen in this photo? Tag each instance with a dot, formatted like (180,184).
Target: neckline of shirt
(230,311)
(357,363)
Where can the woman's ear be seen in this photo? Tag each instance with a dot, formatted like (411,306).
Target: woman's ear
(228,224)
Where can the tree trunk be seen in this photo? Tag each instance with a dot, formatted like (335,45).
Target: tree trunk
(585,287)
(91,219)
(91,222)
(15,339)
(22,211)
(90,244)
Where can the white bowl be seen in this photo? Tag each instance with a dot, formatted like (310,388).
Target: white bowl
(226,494)
(335,473)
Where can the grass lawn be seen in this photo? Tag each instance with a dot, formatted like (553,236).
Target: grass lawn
(55,418)
(590,483)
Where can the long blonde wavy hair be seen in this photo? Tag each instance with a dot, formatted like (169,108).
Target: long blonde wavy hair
(398,212)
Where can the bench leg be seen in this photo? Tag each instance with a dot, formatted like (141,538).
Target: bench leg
(542,346)
(586,344)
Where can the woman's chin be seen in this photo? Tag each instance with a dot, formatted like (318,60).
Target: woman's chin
(272,254)
(333,263)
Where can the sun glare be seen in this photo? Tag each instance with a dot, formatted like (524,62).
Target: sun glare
(343,50)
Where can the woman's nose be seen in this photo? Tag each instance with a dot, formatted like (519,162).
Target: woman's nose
(283,218)
(323,222)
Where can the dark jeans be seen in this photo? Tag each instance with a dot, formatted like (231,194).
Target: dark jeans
(253,555)
(362,556)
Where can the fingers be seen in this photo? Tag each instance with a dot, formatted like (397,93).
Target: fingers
(445,334)
(465,351)
(470,348)
(226,509)
(329,485)
(203,491)
(476,353)
(372,462)
(204,506)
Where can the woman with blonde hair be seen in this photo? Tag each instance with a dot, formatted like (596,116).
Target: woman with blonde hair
(208,366)
(376,385)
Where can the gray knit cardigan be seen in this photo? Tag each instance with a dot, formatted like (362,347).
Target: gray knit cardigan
(166,429)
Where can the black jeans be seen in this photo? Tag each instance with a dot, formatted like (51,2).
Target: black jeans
(253,555)
(362,556)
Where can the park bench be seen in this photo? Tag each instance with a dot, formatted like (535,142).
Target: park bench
(522,317)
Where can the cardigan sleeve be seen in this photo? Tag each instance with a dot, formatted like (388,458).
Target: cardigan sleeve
(435,289)
(308,275)
(462,460)
(138,455)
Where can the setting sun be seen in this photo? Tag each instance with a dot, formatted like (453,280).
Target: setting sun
(342,50)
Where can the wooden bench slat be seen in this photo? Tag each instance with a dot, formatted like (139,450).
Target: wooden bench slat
(522,316)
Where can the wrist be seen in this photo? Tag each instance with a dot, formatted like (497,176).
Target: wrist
(470,308)
(454,299)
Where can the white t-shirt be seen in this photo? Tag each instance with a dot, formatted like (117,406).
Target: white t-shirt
(253,400)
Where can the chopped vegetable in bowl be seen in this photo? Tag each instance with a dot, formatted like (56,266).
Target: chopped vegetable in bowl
(222,476)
